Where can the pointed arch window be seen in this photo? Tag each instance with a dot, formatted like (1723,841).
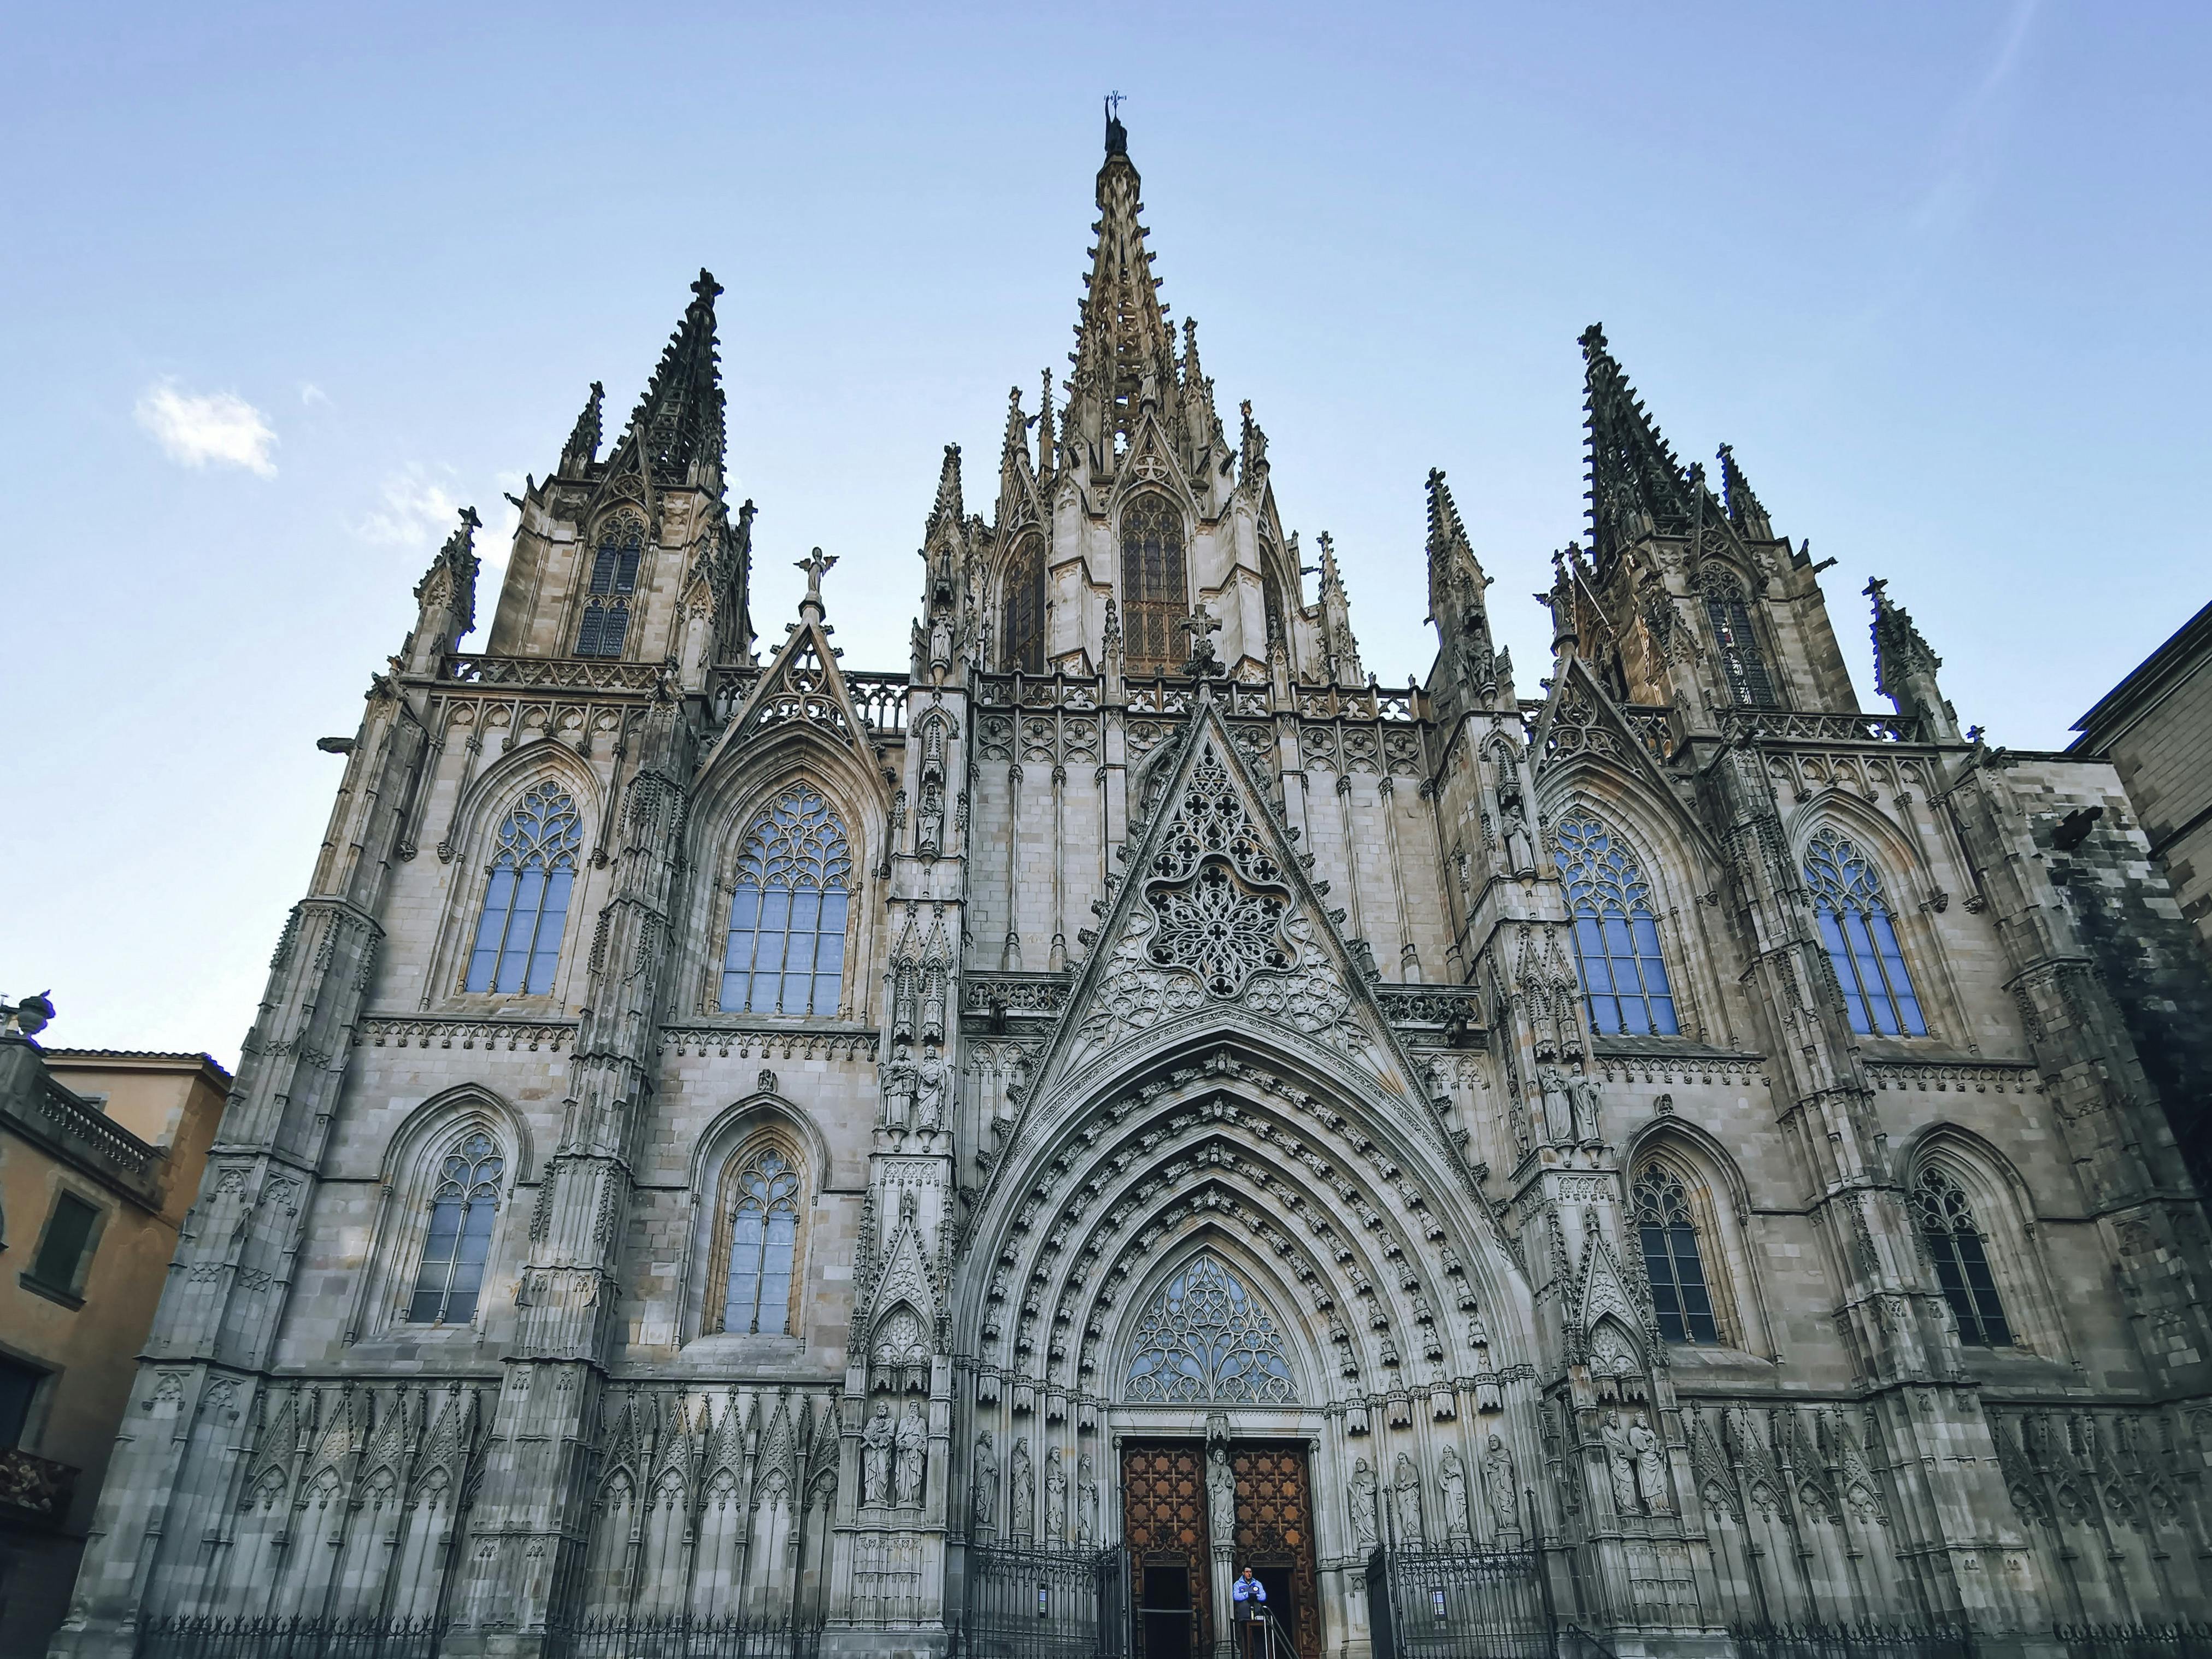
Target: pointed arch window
(1616,932)
(1962,1265)
(462,1205)
(1205,1337)
(1741,660)
(1025,617)
(761,1241)
(605,624)
(1155,592)
(518,943)
(1672,1261)
(1861,938)
(786,953)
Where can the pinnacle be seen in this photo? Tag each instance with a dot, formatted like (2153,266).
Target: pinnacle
(1445,526)
(1635,481)
(1743,507)
(583,446)
(948,508)
(676,432)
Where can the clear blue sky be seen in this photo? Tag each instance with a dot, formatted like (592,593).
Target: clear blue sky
(279,286)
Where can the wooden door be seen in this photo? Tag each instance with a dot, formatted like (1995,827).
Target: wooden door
(1170,1569)
(1275,1535)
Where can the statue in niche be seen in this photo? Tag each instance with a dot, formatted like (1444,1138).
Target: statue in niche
(1366,1522)
(1407,1494)
(940,639)
(1452,1477)
(1498,1486)
(1558,1108)
(1055,1500)
(1022,1477)
(1086,1502)
(912,1460)
(1650,1464)
(1621,1464)
(1220,1498)
(1588,1103)
(984,1488)
(876,1457)
(1513,826)
(930,1082)
(895,1081)
(929,823)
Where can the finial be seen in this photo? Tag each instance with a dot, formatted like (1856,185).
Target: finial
(1592,340)
(1117,135)
(816,565)
(706,287)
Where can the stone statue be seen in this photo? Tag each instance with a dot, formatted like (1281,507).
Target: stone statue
(1620,1462)
(876,1457)
(1086,1502)
(930,1082)
(1406,1490)
(1452,1477)
(1055,1500)
(1366,1523)
(940,639)
(912,1457)
(895,1081)
(816,565)
(1513,825)
(984,1517)
(1650,1464)
(1022,1477)
(1558,1108)
(1588,1103)
(1220,1498)
(1498,1486)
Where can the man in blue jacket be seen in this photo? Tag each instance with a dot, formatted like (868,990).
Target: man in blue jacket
(1251,1595)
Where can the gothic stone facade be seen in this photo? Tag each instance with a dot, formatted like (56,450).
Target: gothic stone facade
(727,1129)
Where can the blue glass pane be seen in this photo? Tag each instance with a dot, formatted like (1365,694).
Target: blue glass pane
(1663,1016)
(1634,1019)
(1605,1014)
(797,993)
(1616,937)
(744,907)
(733,992)
(831,957)
(826,995)
(805,906)
(833,912)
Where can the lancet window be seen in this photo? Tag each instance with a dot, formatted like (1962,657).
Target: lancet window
(786,953)
(1205,1337)
(1672,1261)
(1155,593)
(1024,607)
(1616,932)
(1962,1265)
(459,1242)
(1749,681)
(518,942)
(1861,938)
(761,1242)
(605,624)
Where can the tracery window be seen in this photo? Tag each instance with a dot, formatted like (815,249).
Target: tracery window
(1205,1337)
(1616,932)
(462,1206)
(518,943)
(1155,594)
(1671,1259)
(1962,1265)
(786,938)
(605,624)
(761,1241)
(1860,940)
(1741,660)
(1025,618)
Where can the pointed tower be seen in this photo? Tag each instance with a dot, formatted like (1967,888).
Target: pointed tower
(583,446)
(1636,487)
(447,597)
(1742,507)
(946,552)
(674,435)
(1124,354)
(1467,659)
(1904,668)
(1339,649)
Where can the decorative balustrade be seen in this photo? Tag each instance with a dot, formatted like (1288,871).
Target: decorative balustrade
(1790,724)
(1424,1009)
(559,673)
(67,1119)
(1031,996)
(880,699)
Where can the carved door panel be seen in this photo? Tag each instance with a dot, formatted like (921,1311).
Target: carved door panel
(1164,1522)
(1275,1535)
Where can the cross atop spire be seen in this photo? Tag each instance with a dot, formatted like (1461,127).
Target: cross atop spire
(676,433)
(1637,486)
(1117,135)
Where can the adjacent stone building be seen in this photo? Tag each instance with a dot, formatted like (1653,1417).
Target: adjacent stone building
(101,1155)
(729,1128)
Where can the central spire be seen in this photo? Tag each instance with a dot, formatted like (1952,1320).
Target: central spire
(1124,356)
(676,433)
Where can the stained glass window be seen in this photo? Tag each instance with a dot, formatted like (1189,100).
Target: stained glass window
(1962,1266)
(1025,635)
(614,579)
(1155,594)
(786,940)
(454,1255)
(1616,932)
(763,1243)
(1671,1261)
(1206,1338)
(1741,660)
(526,901)
(1860,940)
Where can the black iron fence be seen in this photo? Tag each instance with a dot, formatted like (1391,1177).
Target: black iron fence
(1461,1604)
(197,1637)
(1859,1641)
(2182,1641)
(1044,1604)
(686,1636)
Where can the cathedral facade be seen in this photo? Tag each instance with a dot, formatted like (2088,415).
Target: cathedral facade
(731,1133)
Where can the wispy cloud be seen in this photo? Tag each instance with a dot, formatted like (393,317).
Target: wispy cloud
(311,394)
(416,507)
(216,429)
